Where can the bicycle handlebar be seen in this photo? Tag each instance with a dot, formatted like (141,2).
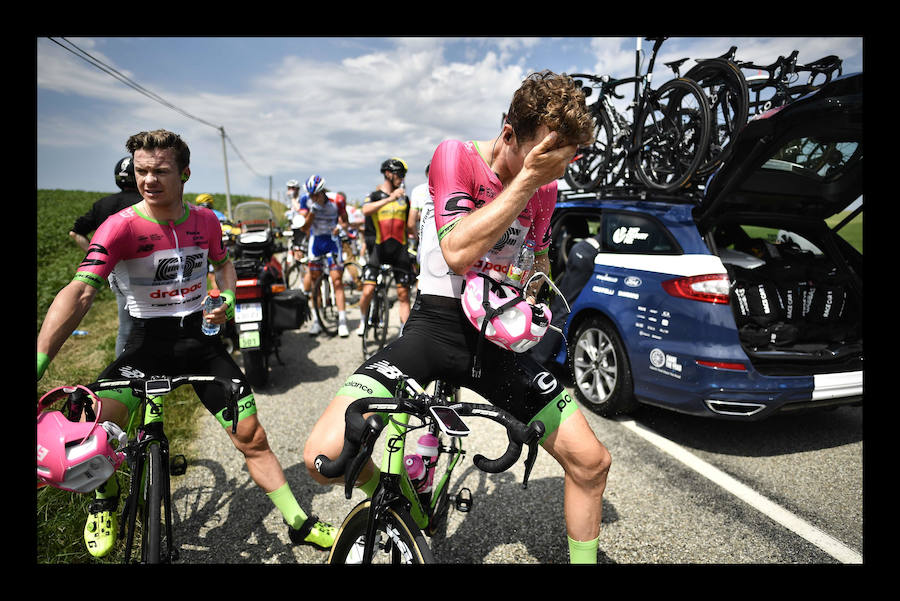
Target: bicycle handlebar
(146,387)
(361,433)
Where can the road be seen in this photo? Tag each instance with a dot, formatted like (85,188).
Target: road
(681,490)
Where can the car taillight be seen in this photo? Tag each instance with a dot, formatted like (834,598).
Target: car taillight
(244,289)
(712,288)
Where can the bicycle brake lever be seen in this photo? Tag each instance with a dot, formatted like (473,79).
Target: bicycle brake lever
(370,435)
(537,431)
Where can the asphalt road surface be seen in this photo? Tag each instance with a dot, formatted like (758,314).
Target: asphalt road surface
(681,490)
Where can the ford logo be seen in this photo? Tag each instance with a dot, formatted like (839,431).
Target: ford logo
(632,281)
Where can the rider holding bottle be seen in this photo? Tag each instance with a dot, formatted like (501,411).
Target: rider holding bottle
(165,284)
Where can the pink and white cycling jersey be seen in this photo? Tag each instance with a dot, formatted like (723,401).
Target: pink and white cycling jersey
(160,266)
(460,181)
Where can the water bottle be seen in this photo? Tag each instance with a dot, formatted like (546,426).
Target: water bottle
(415,467)
(521,267)
(212,301)
(427,449)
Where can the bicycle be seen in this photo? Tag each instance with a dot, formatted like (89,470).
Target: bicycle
(392,524)
(147,458)
(728,95)
(375,325)
(659,149)
(775,85)
(323,291)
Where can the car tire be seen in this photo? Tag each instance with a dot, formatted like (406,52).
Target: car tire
(599,368)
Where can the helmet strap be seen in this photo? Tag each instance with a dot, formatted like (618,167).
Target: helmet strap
(489,314)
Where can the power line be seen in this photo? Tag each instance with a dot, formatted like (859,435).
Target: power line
(82,54)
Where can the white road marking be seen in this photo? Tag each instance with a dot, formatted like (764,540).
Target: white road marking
(827,543)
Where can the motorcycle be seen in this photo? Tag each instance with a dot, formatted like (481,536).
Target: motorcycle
(264,307)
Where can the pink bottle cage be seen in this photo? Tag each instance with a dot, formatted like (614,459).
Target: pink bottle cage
(502,315)
(71,455)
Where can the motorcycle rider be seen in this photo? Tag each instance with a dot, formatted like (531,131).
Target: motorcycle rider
(90,221)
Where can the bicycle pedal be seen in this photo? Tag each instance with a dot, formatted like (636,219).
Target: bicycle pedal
(178,465)
(462,500)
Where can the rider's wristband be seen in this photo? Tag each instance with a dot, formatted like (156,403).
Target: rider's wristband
(228,295)
(42,362)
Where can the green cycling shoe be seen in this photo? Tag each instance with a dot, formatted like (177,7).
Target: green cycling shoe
(100,527)
(314,533)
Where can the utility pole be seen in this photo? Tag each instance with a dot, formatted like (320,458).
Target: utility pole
(227,184)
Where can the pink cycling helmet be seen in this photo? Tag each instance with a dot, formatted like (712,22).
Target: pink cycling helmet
(75,456)
(515,324)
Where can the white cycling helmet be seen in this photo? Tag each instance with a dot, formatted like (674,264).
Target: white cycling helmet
(75,456)
(292,183)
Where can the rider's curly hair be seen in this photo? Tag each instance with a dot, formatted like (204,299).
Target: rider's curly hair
(554,100)
(161,138)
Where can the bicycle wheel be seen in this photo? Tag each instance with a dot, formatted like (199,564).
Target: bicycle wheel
(151,546)
(324,303)
(592,164)
(673,137)
(352,281)
(293,275)
(375,329)
(726,88)
(397,538)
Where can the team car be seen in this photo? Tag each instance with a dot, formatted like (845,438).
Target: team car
(737,302)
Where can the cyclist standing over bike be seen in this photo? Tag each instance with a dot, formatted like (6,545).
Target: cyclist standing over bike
(90,221)
(159,250)
(386,210)
(489,197)
(299,207)
(324,222)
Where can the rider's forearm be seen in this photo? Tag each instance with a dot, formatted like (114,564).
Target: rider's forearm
(65,313)
(478,231)
(226,276)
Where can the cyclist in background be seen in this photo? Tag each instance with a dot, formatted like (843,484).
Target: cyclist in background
(420,205)
(324,222)
(165,283)
(491,196)
(386,210)
(90,221)
(298,204)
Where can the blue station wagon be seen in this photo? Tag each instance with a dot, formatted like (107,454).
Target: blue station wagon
(736,302)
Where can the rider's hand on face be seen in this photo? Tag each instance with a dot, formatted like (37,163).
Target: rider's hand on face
(548,159)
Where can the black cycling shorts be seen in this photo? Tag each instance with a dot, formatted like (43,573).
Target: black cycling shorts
(438,342)
(394,254)
(172,346)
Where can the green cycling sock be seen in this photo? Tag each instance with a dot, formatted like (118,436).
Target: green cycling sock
(287,504)
(109,489)
(369,486)
(583,551)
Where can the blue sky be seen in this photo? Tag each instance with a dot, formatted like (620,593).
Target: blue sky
(333,106)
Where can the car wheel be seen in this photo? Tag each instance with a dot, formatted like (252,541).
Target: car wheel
(600,369)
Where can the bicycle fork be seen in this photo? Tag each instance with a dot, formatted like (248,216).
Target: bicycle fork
(137,452)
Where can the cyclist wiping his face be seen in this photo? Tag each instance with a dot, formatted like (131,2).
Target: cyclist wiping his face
(489,197)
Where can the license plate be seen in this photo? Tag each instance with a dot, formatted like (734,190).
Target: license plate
(248,339)
(245,312)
